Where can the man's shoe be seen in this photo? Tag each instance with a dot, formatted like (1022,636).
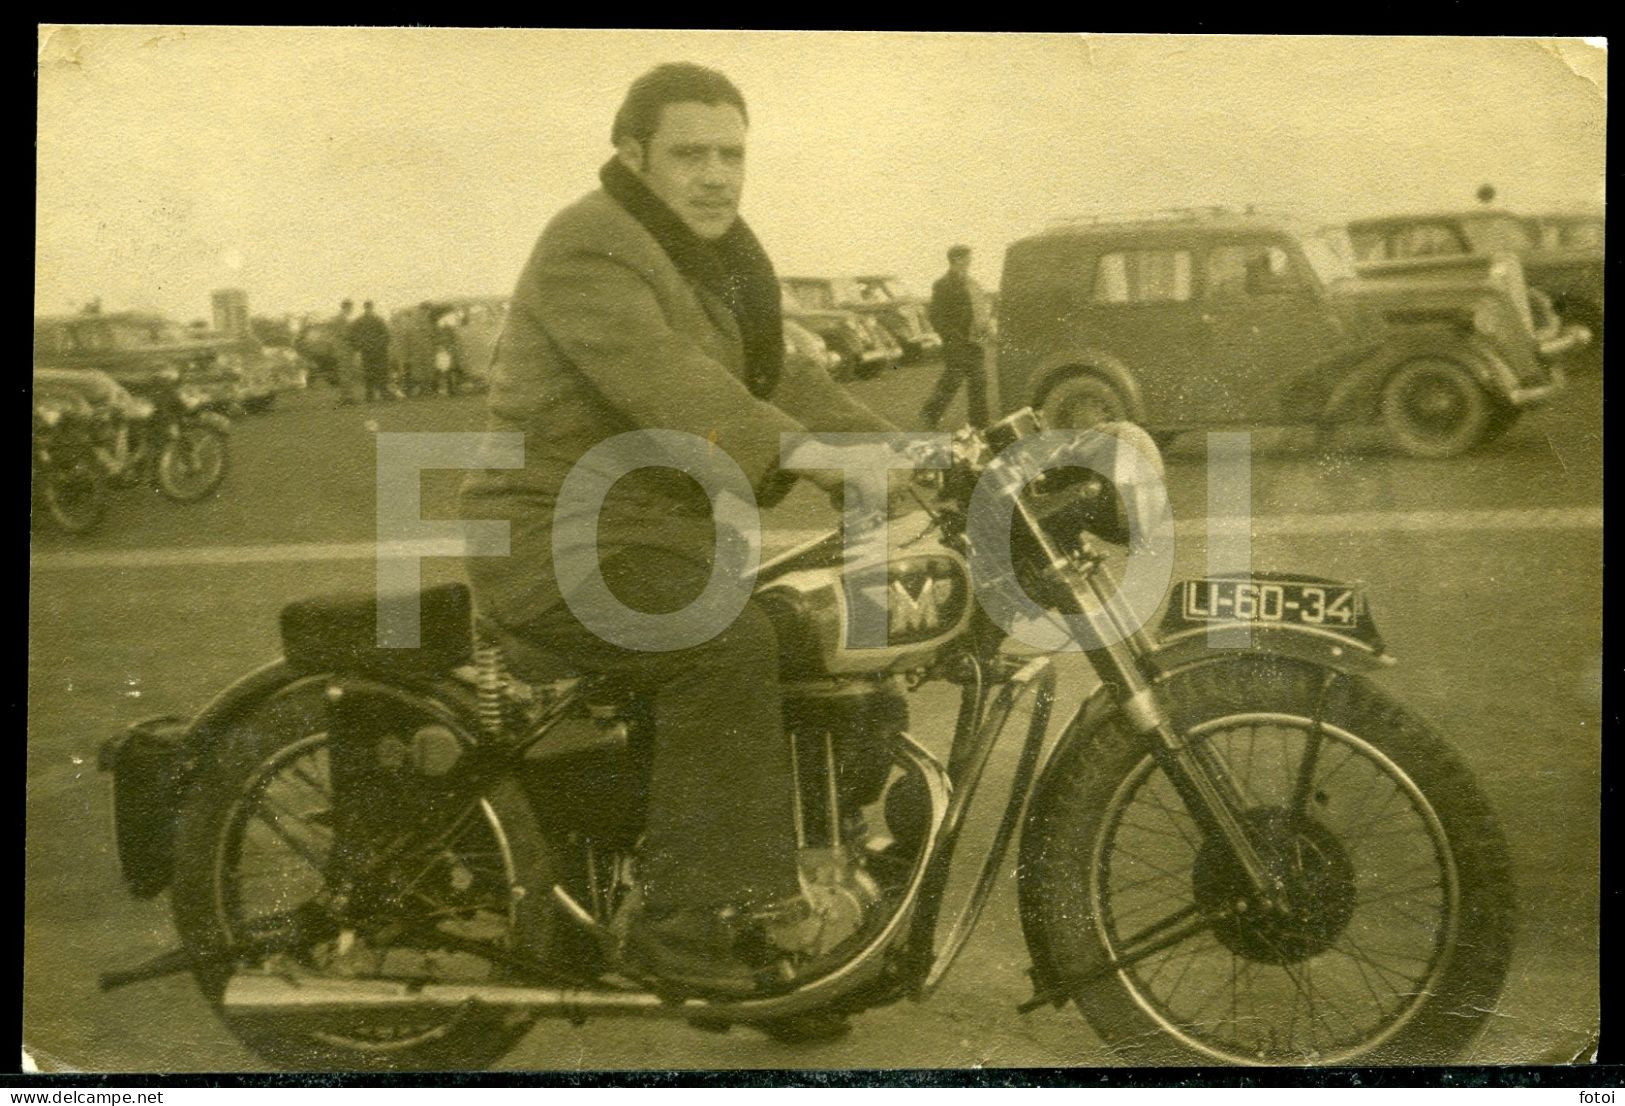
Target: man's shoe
(692,952)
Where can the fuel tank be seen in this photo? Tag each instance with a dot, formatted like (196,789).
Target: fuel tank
(921,594)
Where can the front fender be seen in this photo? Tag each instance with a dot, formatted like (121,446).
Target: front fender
(1176,653)
(1357,397)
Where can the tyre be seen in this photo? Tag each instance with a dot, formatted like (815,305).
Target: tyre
(1434,407)
(192,464)
(1079,402)
(1396,940)
(257,887)
(75,496)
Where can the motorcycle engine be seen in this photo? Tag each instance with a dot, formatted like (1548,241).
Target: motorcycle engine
(841,734)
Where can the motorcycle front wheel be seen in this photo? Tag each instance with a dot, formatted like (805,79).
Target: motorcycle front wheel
(1392,940)
(75,496)
(192,464)
(257,848)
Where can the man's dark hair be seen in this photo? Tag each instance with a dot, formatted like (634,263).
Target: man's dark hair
(677,82)
(346,305)
(367,306)
(956,252)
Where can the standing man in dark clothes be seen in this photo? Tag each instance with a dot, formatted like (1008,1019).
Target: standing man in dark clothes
(959,311)
(370,336)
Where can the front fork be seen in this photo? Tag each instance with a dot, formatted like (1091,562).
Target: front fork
(1202,781)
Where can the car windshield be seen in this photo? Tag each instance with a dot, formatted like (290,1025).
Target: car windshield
(1496,234)
(1330,254)
(811,295)
(886,289)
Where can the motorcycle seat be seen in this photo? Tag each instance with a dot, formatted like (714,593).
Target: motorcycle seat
(526,659)
(340,633)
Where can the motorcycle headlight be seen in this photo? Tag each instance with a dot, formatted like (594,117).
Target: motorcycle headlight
(191,398)
(1130,506)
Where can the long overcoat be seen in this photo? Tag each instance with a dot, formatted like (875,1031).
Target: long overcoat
(605,335)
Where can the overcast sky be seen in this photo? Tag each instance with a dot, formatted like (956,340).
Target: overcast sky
(309,165)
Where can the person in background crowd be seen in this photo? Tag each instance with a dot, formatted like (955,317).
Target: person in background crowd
(346,365)
(412,338)
(960,311)
(649,303)
(370,337)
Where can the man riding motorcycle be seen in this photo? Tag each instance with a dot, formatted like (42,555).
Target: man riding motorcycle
(649,304)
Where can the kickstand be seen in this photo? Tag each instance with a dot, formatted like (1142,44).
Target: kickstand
(167,963)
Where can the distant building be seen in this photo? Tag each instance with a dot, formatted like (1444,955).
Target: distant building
(231,311)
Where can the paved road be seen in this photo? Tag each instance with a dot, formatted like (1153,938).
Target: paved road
(1485,575)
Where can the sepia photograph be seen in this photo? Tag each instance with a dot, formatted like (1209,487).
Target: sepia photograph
(592,550)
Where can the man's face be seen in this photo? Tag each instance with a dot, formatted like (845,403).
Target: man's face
(960,264)
(695,162)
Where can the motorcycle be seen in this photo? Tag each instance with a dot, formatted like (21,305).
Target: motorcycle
(1239,851)
(69,481)
(182,447)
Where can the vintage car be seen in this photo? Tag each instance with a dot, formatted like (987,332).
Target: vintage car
(145,352)
(886,298)
(1550,335)
(1216,318)
(801,344)
(1562,255)
(864,347)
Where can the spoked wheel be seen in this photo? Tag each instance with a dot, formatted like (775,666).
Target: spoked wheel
(1392,939)
(75,496)
(272,875)
(1432,407)
(192,464)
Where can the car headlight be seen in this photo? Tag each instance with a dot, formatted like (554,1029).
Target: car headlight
(50,416)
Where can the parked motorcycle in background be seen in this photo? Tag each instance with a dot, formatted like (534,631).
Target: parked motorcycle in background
(1249,853)
(184,448)
(70,484)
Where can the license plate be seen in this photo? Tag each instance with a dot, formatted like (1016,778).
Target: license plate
(1272,601)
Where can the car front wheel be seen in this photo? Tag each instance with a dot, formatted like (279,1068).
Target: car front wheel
(1433,407)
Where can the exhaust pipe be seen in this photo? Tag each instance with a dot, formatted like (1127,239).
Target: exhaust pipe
(252,994)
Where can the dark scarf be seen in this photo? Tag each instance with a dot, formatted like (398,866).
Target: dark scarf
(734,267)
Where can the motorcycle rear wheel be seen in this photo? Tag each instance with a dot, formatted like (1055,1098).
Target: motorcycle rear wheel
(75,496)
(1399,936)
(254,837)
(192,464)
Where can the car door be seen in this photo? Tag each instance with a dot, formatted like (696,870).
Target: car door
(1267,324)
(1141,309)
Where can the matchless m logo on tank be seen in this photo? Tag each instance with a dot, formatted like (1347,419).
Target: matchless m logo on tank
(925,595)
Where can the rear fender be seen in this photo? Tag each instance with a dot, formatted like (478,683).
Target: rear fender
(153,763)
(156,762)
